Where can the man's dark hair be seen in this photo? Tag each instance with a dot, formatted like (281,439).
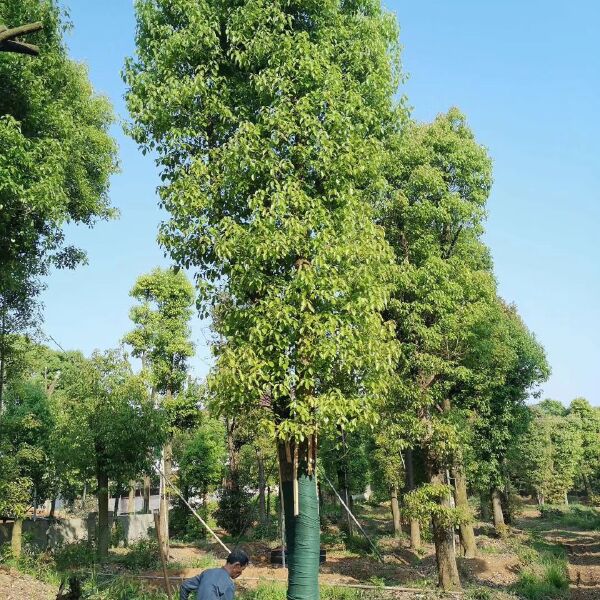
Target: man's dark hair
(238,556)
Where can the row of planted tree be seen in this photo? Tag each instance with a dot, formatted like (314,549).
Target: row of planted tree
(336,245)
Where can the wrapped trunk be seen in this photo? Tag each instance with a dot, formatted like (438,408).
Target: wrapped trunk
(302,528)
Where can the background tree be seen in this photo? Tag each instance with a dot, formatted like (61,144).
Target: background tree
(269,122)
(56,158)
(439,183)
(587,420)
(108,426)
(161,339)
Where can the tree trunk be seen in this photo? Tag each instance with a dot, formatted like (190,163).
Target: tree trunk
(2,359)
(415,526)
(52,507)
(566,498)
(131,498)
(16,541)
(262,511)
(588,488)
(117,500)
(396,511)
(467,535)
(103,530)
(164,497)
(499,523)
(146,503)
(301,507)
(443,538)
(344,486)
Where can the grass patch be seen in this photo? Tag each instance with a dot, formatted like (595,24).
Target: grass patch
(543,572)
(574,515)
(274,591)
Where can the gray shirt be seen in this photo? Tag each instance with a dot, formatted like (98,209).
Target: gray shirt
(212,584)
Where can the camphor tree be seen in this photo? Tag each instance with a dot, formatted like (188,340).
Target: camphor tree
(161,339)
(56,157)
(269,120)
(108,427)
(440,179)
(508,364)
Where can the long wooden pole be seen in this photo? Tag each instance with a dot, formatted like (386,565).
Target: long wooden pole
(161,551)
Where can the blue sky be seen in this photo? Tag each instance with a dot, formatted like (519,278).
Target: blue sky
(527,76)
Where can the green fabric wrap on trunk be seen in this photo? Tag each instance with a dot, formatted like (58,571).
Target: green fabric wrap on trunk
(302,539)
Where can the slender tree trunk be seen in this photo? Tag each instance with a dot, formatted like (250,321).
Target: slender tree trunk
(131,498)
(301,507)
(52,507)
(16,541)
(164,497)
(146,492)
(566,498)
(117,500)
(2,358)
(467,535)
(396,511)
(103,530)
(499,523)
(415,526)
(262,512)
(588,488)
(344,486)
(443,538)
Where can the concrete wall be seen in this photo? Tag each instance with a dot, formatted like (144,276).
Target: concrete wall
(46,533)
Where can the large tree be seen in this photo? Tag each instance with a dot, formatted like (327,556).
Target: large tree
(440,179)
(269,120)
(56,158)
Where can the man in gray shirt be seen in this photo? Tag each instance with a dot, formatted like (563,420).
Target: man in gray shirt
(216,584)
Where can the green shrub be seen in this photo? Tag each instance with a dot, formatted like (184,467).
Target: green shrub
(235,511)
(74,555)
(142,555)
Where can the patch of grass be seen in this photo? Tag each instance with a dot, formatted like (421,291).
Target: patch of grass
(141,556)
(574,515)
(120,588)
(274,591)
(544,570)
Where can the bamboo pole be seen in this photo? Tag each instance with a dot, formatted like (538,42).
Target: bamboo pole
(162,555)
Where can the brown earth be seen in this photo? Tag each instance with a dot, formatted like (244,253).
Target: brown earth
(17,586)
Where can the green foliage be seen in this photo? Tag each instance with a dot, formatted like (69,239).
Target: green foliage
(428,500)
(161,334)
(547,459)
(142,555)
(235,511)
(271,161)
(74,556)
(105,418)
(202,455)
(56,158)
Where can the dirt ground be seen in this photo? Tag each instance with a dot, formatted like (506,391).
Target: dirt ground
(16,586)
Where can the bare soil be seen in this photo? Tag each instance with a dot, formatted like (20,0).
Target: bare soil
(17,586)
